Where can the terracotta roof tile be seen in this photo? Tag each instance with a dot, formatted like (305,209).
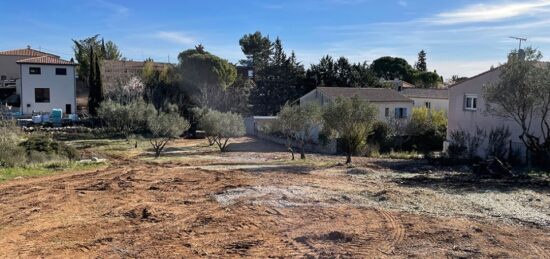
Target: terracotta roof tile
(46,60)
(26,52)
(370,94)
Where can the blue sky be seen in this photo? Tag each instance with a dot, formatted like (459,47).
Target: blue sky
(463,37)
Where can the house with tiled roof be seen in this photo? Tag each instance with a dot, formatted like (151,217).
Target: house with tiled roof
(431,98)
(33,81)
(390,103)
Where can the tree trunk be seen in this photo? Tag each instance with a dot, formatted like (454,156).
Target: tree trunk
(302,151)
(348,158)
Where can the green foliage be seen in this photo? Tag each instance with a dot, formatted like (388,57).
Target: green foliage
(221,126)
(257,49)
(205,75)
(126,119)
(277,82)
(164,127)
(421,64)
(380,138)
(393,68)
(427,129)
(43,146)
(340,73)
(425,79)
(83,48)
(94,83)
(298,122)
(350,120)
(523,95)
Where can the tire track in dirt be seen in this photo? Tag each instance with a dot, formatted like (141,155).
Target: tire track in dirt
(397,232)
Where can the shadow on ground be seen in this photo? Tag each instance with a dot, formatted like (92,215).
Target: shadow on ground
(468,182)
(255,145)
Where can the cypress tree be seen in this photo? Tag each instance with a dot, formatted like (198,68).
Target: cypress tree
(92,101)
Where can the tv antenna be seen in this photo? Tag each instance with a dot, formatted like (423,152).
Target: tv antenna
(518,39)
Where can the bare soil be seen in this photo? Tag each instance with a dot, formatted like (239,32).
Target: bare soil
(253,202)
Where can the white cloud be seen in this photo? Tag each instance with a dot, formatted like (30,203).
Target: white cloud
(403,3)
(175,37)
(491,12)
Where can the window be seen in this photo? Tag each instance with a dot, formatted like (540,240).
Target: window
(387,112)
(61,71)
(428,105)
(34,70)
(42,95)
(470,102)
(400,113)
(3,78)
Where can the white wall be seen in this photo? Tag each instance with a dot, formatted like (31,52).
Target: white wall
(462,119)
(318,97)
(437,104)
(62,88)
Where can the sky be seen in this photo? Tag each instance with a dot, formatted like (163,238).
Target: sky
(461,37)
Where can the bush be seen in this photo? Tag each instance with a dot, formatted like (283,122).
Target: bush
(427,130)
(164,127)
(48,146)
(463,145)
(380,138)
(220,127)
(126,119)
(498,141)
(12,156)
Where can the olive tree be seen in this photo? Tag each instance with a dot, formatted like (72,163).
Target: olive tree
(221,126)
(125,118)
(523,95)
(164,127)
(297,124)
(350,120)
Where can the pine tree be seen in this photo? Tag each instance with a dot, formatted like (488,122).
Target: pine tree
(421,64)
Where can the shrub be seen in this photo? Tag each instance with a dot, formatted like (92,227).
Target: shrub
(126,119)
(426,130)
(220,127)
(497,142)
(12,156)
(463,145)
(164,127)
(380,137)
(48,146)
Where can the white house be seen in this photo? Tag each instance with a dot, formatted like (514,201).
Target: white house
(43,81)
(436,99)
(467,111)
(390,103)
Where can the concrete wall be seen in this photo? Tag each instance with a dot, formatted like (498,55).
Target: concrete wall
(436,104)
(62,88)
(9,67)
(462,119)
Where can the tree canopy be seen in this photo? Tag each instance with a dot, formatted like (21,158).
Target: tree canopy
(351,121)
(523,95)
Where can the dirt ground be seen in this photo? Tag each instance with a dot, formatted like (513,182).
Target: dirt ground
(253,202)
